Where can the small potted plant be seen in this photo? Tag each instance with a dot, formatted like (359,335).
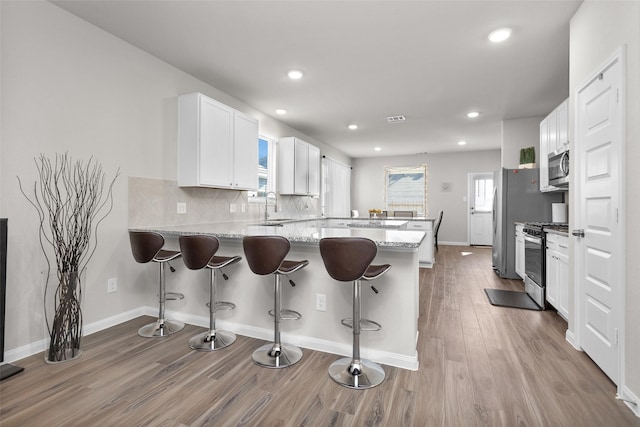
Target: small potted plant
(527,158)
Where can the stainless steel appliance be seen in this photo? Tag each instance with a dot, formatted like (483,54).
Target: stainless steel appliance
(534,258)
(559,169)
(516,197)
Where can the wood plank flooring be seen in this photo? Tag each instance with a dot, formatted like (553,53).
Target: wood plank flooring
(479,365)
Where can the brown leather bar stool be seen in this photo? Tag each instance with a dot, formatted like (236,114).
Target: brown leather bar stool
(198,252)
(147,246)
(265,255)
(348,259)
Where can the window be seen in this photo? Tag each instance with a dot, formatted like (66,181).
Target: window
(266,169)
(405,189)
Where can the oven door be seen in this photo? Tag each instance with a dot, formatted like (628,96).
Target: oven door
(533,258)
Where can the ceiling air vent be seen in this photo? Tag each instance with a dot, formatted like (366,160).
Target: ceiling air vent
(396,119)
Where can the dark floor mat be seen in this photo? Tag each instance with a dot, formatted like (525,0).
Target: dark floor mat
(513,299)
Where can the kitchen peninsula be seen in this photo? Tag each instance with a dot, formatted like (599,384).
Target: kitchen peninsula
(395,307)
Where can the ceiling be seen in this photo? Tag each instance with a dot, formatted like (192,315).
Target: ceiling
(363,61)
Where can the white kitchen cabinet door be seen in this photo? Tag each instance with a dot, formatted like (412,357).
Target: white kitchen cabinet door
(425,251)
(217,145)
(314,171)
(552,277)
(562,275)
(543,160)
(557,264)
(562,127)
(245,152)
(298,167)
(301,168)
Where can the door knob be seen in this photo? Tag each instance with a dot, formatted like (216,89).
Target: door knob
(578,233)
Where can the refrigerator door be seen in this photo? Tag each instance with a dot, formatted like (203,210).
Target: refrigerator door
(498,259)
(521,201)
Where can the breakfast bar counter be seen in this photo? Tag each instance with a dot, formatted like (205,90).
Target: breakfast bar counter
(395,306)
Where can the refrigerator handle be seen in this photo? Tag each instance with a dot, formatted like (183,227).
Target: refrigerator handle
(495,208)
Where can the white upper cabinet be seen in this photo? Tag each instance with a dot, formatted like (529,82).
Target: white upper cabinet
(298,167)
(217,145)
(562,127)
(554,138)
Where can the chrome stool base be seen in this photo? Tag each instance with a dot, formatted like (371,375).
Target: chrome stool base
(357,375)
(160,329)
(207,342)
(287,356)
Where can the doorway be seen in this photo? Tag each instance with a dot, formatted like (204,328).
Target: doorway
(480,213)
(598,227)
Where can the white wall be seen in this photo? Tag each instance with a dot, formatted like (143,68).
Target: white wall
(597,30)
(517,134)
(367,190)
(69,86)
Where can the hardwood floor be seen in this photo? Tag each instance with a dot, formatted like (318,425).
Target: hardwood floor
(479,365)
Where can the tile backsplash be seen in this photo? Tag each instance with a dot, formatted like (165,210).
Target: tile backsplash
(153,202)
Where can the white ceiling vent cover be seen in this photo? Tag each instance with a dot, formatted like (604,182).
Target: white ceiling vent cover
(396,119)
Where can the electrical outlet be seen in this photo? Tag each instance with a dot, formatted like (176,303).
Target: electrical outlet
(182,208)
(112,285)
(321,302)
(232,208)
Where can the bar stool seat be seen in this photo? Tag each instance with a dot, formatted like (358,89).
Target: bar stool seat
(198,252)
(265,255)
(146,246)
(348,259)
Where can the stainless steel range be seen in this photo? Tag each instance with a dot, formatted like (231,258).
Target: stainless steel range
(534,245)
(534,259)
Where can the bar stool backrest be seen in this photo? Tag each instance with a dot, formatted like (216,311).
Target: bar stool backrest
(145,245)
(265,253)
(198,250)
(347,258)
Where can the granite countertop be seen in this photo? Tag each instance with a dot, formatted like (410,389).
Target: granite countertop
(297,231)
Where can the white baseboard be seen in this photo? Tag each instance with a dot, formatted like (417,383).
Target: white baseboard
(571,339)
(326,346)
(88,329)
(630,399)
(266,334)
(452,244)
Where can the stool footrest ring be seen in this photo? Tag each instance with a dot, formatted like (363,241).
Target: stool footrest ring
(222,305)
(365,324)
(287,314)
(172,296)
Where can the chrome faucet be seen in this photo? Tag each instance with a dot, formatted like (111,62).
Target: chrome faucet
(266,203)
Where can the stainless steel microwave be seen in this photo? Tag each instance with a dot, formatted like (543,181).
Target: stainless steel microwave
(559,169)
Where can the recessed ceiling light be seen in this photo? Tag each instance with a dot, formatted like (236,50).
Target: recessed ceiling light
(378,148)
(295,74)
(353,126)
(281,111)
(500,35)
(473,114)
(462,142)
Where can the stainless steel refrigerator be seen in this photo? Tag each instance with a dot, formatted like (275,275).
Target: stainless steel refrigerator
(516,198)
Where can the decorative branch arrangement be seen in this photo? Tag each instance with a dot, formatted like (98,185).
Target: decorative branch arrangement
(71,202)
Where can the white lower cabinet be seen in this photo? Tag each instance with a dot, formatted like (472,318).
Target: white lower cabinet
(425,252)
(557,263)
(520,250)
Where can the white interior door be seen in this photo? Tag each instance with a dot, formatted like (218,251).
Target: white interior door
(598,186)
(480,197)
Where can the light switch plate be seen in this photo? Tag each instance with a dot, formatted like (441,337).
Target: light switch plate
(232,208)
(321,302)
(182,208)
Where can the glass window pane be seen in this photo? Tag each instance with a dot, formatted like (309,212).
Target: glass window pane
(483,195)
(406,189)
